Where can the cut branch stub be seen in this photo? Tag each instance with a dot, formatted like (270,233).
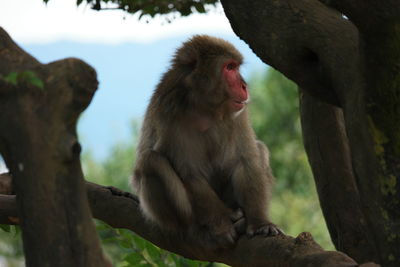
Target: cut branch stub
(39,108)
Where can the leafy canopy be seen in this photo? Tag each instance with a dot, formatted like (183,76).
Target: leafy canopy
(151,7)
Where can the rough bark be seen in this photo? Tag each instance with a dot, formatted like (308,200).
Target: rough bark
(351,62)
(121,210)
(39,145)
(334,176)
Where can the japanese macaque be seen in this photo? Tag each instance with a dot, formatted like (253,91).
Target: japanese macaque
(199,166)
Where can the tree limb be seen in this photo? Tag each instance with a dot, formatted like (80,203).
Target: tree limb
(367,15)
(307,41)
(8,209)
(327,147)
(121,210)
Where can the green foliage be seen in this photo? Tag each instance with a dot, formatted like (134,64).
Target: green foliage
(31,78)
(135,251)
(11,245)
(5,227)
(24,77)
(296,213)
(116,169)
(151,8)
(274,110)
(11,78)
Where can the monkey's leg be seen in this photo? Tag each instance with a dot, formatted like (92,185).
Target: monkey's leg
(212,215)
(182,204)
(252,180)
(163,197)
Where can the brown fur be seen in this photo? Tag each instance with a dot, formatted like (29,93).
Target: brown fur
(197,162)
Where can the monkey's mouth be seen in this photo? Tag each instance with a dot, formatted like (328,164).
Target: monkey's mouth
(238,105)
(244,102)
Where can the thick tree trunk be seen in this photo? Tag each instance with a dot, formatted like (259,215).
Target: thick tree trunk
(326,143)
(39,107)
(351,61)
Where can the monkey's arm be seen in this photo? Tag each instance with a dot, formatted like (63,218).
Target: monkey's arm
(253,181)
(162,194)
(177,203)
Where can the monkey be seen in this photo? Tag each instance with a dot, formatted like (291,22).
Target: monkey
(199,166)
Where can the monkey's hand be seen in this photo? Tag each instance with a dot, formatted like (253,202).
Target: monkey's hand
(237,215)
(267,228)
(239,221)
(223,233)
(220,230)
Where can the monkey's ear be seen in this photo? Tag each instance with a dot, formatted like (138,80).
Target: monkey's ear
(187,58)
(190,53)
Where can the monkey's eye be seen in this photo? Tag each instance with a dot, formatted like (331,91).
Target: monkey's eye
(231,66)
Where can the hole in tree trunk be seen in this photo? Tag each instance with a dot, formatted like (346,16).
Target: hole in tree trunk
(3,167)
(310,57)
(5,179)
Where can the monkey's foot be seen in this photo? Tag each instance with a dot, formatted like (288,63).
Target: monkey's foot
(267,229)
(237,215)
(239,221)
(224,235)
(219,233)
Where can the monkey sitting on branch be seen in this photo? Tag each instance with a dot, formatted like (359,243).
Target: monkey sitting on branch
(200,168)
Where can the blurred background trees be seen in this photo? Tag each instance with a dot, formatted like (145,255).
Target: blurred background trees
(295,208)
(274,112)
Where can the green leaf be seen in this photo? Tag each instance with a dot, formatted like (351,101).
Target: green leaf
(11,78)
(200,7)
(185,10)
(31,77)
(125,244)
(153,251)
(140,243)
(101,226)
(37,82)
(108,240)
(5,227)
(17,230)
(133,259)
(148,258)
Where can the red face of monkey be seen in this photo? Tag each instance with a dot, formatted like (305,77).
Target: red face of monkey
(237,87)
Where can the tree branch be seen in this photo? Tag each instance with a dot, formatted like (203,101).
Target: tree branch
(121,210)
(324,129)
(307,41)
(8,209)
(367,15)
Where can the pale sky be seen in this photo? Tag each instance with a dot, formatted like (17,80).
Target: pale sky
(32,21)
(128,55)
